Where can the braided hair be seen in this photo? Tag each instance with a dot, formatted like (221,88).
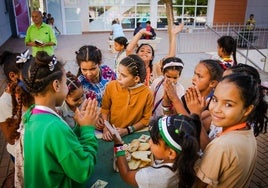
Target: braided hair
(20,97)
(135,66)
(40,72)
(72,82)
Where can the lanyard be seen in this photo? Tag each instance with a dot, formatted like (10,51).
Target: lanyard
(235,127)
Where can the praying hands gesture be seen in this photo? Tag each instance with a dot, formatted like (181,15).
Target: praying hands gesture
(171,98)
(195,102)
(88,115)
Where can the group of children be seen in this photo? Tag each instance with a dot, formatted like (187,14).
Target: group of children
(56,127)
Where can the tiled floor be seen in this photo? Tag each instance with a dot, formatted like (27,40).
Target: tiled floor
(67,45)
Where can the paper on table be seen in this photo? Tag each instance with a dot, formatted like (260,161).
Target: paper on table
(112,130)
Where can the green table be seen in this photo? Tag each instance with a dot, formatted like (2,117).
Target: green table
(104,167)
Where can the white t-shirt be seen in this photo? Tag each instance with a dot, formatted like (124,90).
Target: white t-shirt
(6,112)
(157,176)
(117,31)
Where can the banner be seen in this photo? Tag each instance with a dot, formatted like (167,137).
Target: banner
(21,16)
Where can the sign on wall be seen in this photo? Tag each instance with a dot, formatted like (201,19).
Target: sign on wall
(21,12)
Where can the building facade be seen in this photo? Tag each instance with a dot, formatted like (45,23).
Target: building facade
(82,16)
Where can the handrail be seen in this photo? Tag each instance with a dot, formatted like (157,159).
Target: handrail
(242,54)
(250,43)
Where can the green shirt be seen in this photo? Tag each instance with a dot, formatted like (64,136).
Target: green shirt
(53,155)
(45,34)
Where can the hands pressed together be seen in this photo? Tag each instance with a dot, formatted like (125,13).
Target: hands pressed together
(88,114)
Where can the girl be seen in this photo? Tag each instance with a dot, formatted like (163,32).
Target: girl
(226,48)
(127,103)
(171,69)
(21,101)
(239,68)
(207,74)
(120,45)
(48,139)
(12,64)
(174,145)
(146,51)
(72,101)
(92,75)
(229,159)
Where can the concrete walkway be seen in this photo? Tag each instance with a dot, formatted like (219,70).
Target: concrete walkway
(65,51)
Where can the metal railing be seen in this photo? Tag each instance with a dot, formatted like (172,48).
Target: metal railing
(205,40)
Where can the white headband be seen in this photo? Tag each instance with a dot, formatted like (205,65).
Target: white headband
(173,64)
(162,124)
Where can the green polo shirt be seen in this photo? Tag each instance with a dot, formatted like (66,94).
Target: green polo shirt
(45,34)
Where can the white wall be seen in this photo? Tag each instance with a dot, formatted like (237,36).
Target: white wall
(260,10)
(5,30)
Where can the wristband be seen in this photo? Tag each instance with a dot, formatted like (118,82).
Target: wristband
(119,151)
(131,129)
(118,148)
(128,130)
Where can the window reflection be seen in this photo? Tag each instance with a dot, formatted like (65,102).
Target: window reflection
(102,12)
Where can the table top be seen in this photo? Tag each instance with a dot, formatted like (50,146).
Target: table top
(104,167)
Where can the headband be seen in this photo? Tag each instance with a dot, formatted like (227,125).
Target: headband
(173,64)
(162,125)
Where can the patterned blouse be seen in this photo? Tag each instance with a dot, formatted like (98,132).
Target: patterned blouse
(96,90)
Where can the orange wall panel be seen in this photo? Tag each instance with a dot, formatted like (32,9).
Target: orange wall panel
(230,11)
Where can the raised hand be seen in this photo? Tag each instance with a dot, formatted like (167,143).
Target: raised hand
(177,28)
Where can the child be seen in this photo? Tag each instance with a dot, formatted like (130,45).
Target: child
(244,69)
(53,154)
(92,75)
(72,101)
(54,27)
(117,30)
(120,45)
(151,30)
(127,103)
(146,52)
(226,48)
(12,64)
(171,69)
(174,145)
(137,29)
(206,76)
(229,159)
(21,101)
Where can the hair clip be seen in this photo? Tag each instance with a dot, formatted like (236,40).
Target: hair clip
(71,83)
(23,58)
(133,64)
(22,85)
(52,63)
